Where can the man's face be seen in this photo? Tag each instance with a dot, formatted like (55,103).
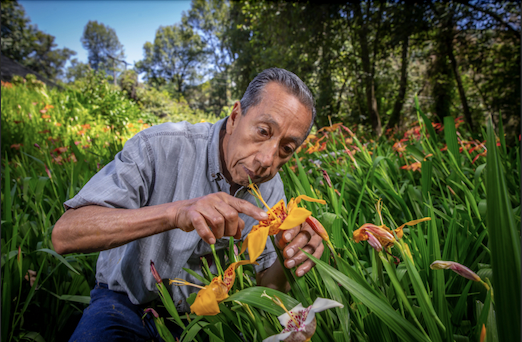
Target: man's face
(257,144)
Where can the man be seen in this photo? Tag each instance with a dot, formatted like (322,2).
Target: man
(174,189)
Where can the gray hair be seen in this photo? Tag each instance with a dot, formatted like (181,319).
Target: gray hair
(292,83)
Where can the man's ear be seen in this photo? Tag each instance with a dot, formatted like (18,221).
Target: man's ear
(234,117)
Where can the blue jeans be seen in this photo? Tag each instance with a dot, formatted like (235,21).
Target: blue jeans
(111,316)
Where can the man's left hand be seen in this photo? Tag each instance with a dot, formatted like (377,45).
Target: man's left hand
(301,237)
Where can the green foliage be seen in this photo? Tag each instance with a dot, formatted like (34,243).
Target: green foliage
(103,46)
(29,46)
(173,57)
(53,142)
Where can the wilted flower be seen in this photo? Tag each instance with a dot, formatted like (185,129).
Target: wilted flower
(155,273)
(299,322)
(380,237)
(457,268)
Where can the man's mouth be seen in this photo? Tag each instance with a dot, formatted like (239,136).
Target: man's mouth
(251,174)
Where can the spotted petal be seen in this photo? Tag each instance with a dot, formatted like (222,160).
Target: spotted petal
(295,218)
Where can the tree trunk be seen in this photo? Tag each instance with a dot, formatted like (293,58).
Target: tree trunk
(371,101)
(399,102)
(460,87)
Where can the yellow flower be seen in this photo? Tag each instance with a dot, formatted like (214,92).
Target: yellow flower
(280,217)
(208,298)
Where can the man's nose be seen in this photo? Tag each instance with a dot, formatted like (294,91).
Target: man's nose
(267,154)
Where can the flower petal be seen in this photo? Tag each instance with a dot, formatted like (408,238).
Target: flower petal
(295,217)
(319,305)
(229,275)
(372,240)
(278,337)
(205,304)
(255,242)
(285,318)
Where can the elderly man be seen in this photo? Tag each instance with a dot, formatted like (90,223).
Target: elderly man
(174,189)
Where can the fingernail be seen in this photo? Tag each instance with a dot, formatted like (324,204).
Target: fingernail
(299,273)
(288,236)
(290,253)
(264,216)
(212,241)
(291,264)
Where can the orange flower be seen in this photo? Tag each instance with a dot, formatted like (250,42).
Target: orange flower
(380,237)
(58,124)
(140,121)
(208,298)
(414,167)
(399,147)
(280,217)
(86,126)
(45,116)
(60,150)
(16,146)
(315,147)
(330,128)
(46,108)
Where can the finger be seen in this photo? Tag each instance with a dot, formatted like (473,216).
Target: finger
(280,242)
(230,216)
(200,225)
(301,240)
(300,257)
(215,221)
(289,235)
(308,264)
(248,208)
(241,226)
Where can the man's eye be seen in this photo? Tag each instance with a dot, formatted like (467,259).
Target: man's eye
(263,132)
(288,150)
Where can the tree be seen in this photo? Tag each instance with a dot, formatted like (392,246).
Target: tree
(29,46)
(77,70)
(103,46)
(45,59)
(17,35)
(210,19)
(173,58)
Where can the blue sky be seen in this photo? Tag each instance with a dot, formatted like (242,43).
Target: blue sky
(135,22)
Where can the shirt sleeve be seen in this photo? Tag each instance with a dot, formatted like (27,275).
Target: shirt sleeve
(269,255)
(125,182)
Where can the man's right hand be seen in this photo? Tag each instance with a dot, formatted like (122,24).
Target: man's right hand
(215,215)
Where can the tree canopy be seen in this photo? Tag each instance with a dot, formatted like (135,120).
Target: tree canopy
(103,46)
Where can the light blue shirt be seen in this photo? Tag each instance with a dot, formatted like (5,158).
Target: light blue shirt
(165,163)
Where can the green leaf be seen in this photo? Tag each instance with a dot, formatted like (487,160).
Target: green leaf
(252,296)
(504,242)
(59,257)
(382,309)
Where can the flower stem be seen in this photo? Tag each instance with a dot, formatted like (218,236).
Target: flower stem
(216,259)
